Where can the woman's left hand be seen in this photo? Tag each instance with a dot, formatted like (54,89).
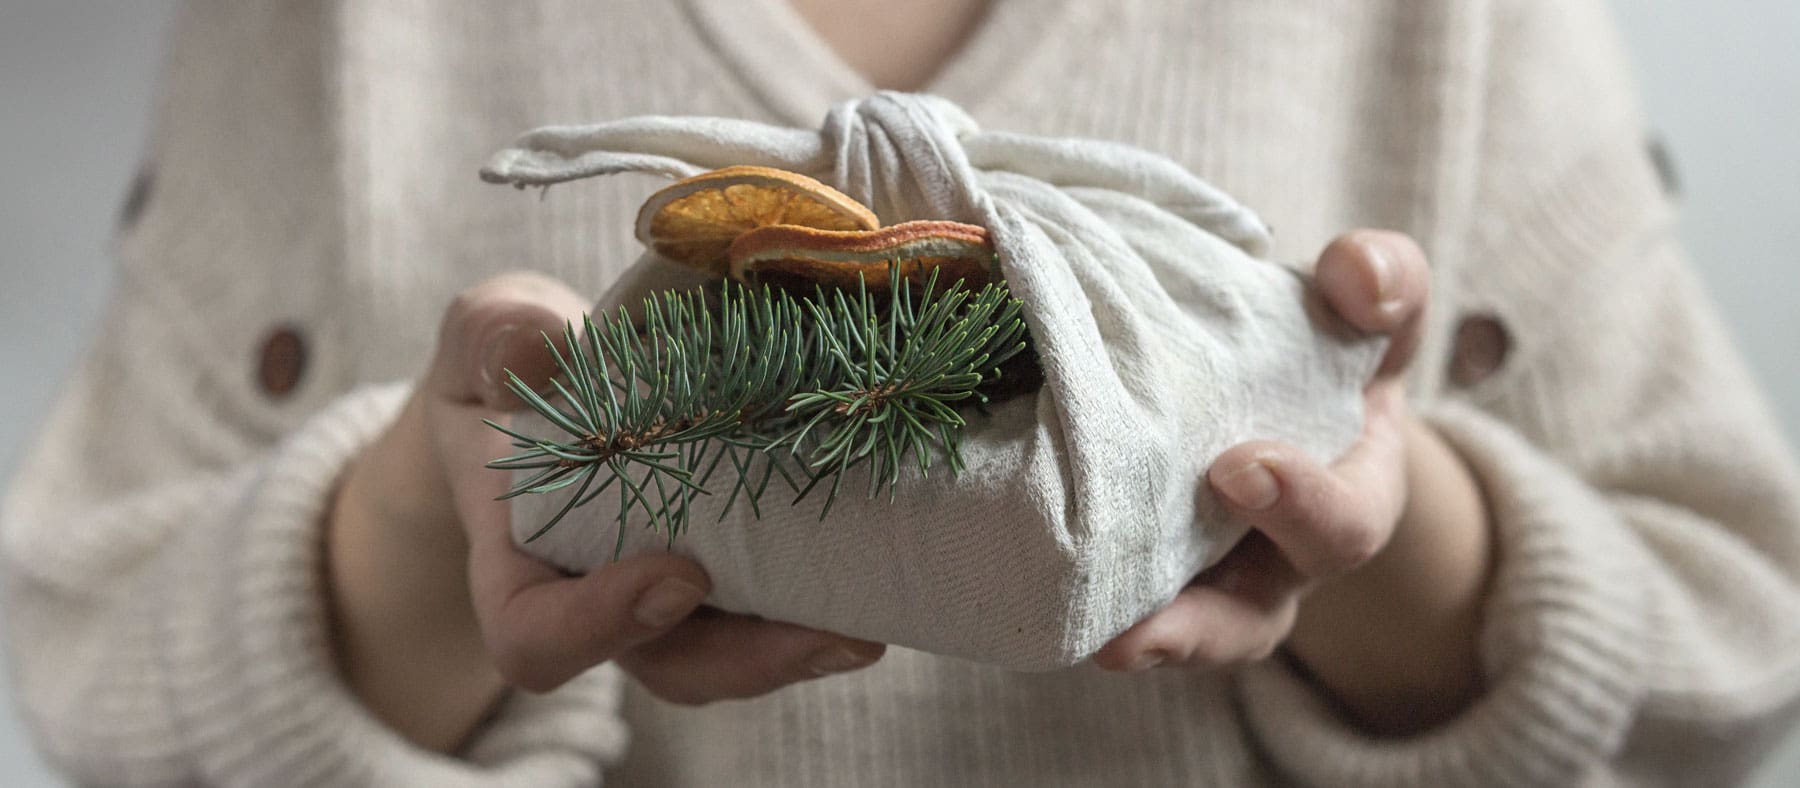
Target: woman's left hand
(1370,569)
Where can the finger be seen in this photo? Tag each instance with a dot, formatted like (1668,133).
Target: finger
(1324,521)
(466,445)
(1375,279)
(724,656)
(500,325)
(1378,281)
(1230,618)
(543,629)
(496,325)
(1256,570)
(428,466)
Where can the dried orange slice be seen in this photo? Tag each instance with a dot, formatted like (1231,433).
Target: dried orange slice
(792,255)
(694,220)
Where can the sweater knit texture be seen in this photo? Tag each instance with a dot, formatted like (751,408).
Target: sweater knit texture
(316,170)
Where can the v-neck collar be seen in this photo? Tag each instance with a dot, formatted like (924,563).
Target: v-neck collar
(793,71)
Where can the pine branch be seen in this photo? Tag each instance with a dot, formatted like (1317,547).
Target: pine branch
(761,384)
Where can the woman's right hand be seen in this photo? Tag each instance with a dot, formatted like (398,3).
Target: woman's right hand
(436,611)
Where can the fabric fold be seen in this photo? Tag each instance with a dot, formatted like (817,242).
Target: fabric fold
(1162,339)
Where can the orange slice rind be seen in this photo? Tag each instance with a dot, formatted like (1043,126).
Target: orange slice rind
(695,220)
(790,255)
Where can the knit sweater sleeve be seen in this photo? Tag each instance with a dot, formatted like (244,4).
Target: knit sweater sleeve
(161,545)
(166,619)
(1643,621)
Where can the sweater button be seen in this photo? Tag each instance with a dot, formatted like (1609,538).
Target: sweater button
(282,362)
(1480,348)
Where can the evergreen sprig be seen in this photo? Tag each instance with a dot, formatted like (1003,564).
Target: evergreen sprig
(763,383)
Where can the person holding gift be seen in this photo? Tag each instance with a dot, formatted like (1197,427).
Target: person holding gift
(1562,551)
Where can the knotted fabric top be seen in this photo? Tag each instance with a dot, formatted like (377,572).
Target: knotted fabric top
(907,156)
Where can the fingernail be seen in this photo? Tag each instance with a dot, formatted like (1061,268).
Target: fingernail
(493,362)
(667,602)
(838,659)
(1148,660)
(1387,283)
(1385,274)
(1251,486)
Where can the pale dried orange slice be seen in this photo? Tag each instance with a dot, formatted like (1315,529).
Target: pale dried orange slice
(790,255)
(693,221)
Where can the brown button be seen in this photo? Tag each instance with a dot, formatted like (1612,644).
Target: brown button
(282,362)
(1480,348)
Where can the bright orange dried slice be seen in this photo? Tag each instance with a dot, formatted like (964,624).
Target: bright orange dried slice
(791,255)
(694,220)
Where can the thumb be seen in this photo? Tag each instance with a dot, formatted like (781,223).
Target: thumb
(1379,282)
(498,326)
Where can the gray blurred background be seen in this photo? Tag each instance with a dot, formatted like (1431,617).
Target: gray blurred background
(1721,82)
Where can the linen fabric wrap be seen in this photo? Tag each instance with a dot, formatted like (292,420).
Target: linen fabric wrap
(1164,340)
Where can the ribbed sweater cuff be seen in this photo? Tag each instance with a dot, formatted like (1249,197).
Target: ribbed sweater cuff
(1562,644)
(255,690)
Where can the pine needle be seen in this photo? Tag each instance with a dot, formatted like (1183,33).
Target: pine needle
(830,383)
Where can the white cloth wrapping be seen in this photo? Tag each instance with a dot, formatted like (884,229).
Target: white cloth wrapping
(1163,338)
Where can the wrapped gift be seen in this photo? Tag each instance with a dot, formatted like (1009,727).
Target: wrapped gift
(1163,335)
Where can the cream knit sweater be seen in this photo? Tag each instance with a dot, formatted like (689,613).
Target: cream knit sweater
(315,168)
